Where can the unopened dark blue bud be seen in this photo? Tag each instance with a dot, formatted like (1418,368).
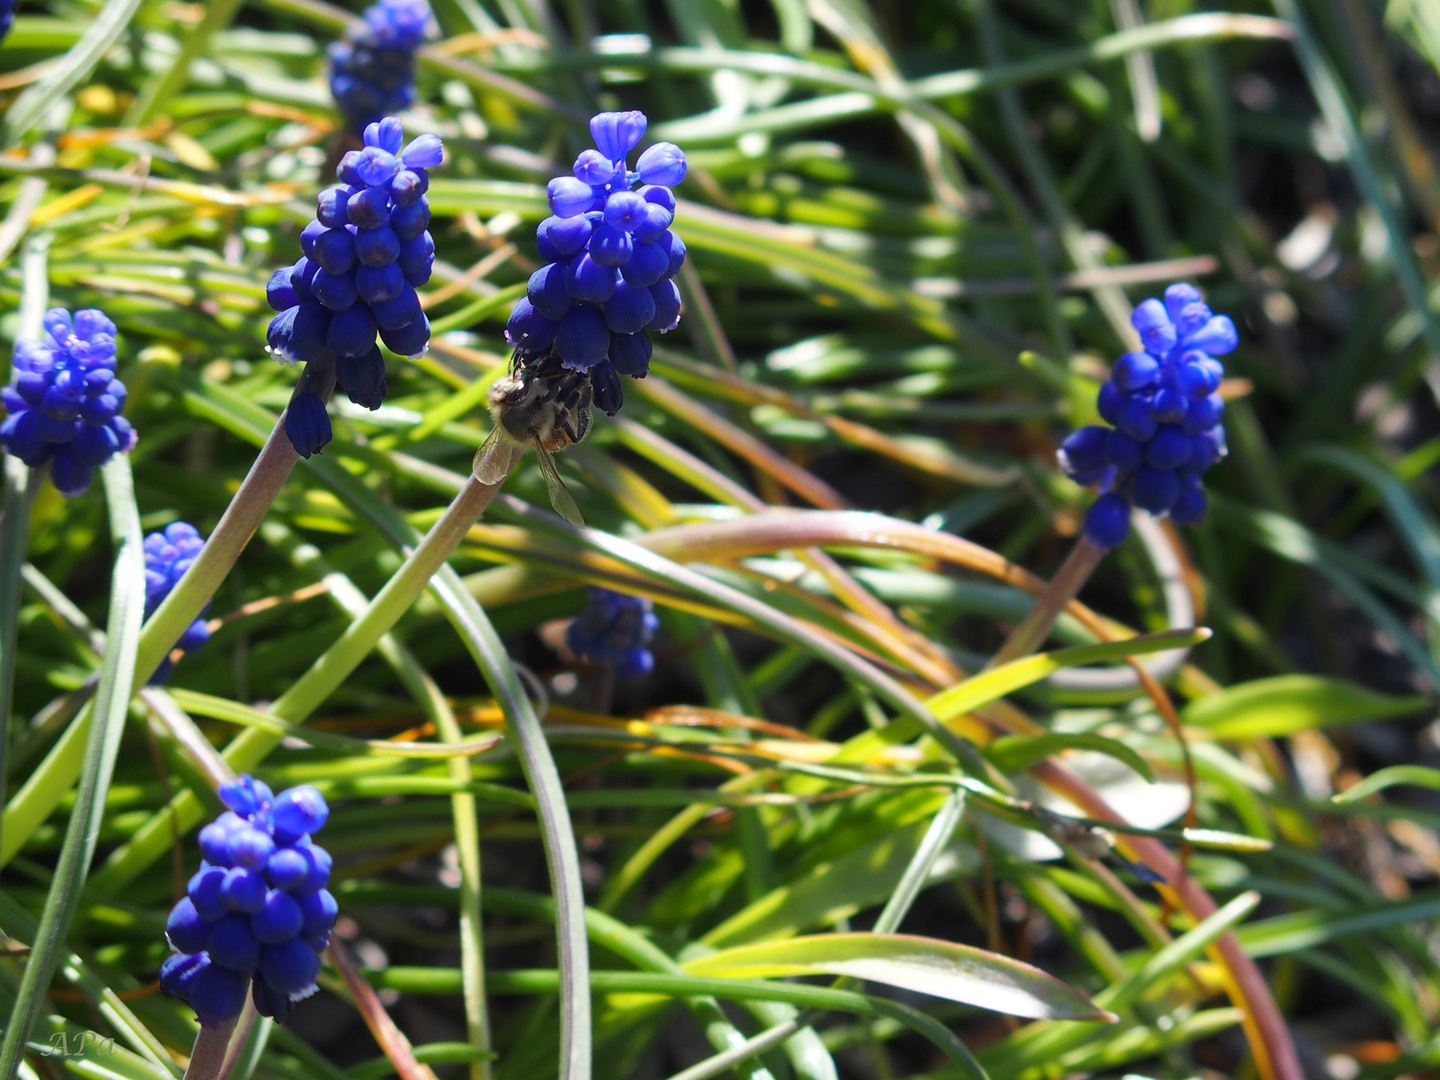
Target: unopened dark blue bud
(1108,521)
(1156,489)
(307,425)
(608,395)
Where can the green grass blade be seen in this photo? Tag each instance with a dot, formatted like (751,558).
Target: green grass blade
(102,33)
(111,703)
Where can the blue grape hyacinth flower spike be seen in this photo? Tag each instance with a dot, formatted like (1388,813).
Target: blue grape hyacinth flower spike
(364,255)
(257,914)
(610,254)
(168,555)
(64,405)
(615,630)
(372,69)
(1162,414)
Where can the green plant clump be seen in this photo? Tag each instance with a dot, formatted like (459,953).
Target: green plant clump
(690,495)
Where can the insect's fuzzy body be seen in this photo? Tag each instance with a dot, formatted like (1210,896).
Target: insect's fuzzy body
(541,403)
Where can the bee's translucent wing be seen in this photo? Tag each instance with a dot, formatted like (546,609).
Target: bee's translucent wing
(495,458)
(559,494)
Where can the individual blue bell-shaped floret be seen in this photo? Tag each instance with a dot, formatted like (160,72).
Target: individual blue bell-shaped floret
(365,252)
(64,405)
(257,914)
(662,164)
(615,630)
(609,251)
(372,69)
(168,555)
(1164,415)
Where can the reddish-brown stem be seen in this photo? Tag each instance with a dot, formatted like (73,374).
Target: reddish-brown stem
(208,1056)
(391,1039)
(1271,1043)
(1032,631)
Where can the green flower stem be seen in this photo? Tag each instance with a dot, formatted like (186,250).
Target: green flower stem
(1030,634)
(42,792)
(307,693)
(330,669)
(208,1056)
(241,518)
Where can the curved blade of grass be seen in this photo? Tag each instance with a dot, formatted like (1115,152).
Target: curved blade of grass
(531,981)
(19,489)
(1413,775)
(1326,87)
(1286,704)
(1016,753)
(1290,540)
(218,708)
(161,88)
(921,965)
(1416,527)
(988,686)
(109,707)
(917,873)
(14,537)
(109,23)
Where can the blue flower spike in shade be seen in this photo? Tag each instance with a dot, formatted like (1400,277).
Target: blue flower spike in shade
(364,255)
(372,70)
(257,914)
(64,405)
(1162,413)
(7,17)
(168,555)
(615,630)
(610,256)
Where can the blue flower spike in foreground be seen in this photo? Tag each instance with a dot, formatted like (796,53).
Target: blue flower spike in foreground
(372,71)
(1164,414)
(168,555)
(64,406)
(615,630)
(364,254)
(257,915)
(610,255)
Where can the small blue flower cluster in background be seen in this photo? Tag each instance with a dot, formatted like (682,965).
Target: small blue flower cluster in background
(7,17)
(615,630)
(364,254)
(257,915)
(65,402)
(372,70)
(1165,411)
(609,256)
(168,555)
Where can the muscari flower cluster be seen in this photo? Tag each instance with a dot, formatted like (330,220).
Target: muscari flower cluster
(615,630)
(7,17)
(364,254)
(65,402)
(257,915)
(372,70)
(168,555)
(609,258)
(1165,412)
